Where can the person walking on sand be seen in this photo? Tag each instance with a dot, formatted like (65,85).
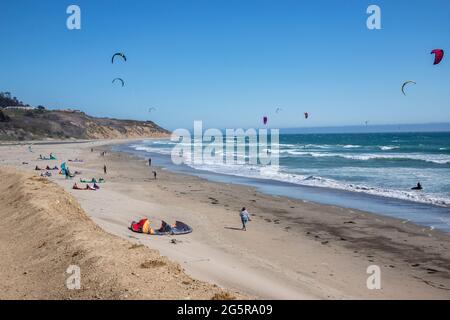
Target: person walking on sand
(104,168)
(154,175)
(149,162)
(244,218)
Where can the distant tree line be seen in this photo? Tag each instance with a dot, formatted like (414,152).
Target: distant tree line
(7,100)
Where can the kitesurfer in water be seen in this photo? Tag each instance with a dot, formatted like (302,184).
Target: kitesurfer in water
(418,187)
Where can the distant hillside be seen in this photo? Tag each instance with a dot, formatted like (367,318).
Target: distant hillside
(39,124)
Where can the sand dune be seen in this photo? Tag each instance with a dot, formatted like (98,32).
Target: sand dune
(43,231)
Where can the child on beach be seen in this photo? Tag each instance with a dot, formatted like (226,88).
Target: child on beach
(244,218)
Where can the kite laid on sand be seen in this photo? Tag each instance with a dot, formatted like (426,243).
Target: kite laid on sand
(143,226)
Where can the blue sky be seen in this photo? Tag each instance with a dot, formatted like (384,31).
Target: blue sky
(230,62)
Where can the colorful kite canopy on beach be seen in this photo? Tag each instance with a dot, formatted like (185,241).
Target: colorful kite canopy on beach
(143,226)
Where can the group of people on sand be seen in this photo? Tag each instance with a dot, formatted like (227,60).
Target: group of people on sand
(243,214)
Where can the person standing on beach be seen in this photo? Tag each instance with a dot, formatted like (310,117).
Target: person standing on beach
(154,174)
(244,218)
(149,162)
(104,168)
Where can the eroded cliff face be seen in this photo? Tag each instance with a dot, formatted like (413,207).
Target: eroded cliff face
(59,124)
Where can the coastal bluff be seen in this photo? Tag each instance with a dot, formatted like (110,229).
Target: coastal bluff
(23,124)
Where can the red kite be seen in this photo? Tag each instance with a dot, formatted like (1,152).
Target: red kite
(438,55)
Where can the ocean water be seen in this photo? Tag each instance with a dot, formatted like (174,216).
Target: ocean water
(378,166)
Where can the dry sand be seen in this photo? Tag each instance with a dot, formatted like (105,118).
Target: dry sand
(43,231)
(292,249)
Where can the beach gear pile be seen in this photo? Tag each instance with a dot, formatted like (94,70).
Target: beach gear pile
(65,171)
(143,226)
(51,157)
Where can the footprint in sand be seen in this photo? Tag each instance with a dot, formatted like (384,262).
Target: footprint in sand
(431,271)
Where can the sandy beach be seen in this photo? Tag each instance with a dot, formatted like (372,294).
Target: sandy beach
(292,249)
